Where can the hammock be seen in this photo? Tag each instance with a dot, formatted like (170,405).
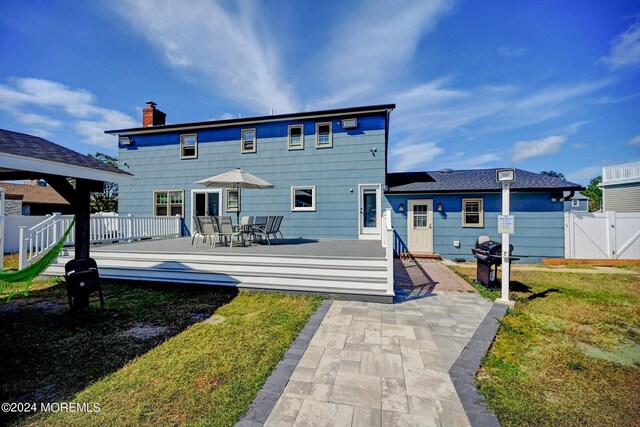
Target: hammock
(34,270)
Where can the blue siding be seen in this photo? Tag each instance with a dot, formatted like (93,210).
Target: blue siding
(539,224)
(336,172)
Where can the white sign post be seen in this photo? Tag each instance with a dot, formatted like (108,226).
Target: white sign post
(506,226)
(1,228)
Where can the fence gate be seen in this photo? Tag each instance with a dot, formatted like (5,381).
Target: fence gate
(602,235)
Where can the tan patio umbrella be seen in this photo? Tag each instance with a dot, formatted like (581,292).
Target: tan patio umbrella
(236,179)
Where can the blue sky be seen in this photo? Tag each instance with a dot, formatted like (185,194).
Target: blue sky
(536,85)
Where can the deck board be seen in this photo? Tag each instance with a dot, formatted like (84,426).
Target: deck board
(334,248)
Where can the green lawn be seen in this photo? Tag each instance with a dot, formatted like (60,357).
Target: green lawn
(189,369)
(568,354)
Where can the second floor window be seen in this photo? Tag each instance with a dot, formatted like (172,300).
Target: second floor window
(324,138)
(189,146)
(296,137)
(248,141)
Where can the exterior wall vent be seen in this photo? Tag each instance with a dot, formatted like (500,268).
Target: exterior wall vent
(349,123)
(445,170)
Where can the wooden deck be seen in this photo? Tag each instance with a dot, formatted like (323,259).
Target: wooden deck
(351,268)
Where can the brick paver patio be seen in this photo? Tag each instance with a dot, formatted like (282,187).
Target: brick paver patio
(372,364)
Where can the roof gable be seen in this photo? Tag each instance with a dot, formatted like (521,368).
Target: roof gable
(33,194)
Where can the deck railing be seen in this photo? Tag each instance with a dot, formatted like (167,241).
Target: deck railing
(37,240)
(387,243)
(621,173)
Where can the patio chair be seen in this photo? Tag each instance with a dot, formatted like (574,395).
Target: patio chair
(264,232)
(276,228)
(197,229)
(258,224)
(208,229)
(225,230)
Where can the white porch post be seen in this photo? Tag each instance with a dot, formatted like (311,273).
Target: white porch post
(506,266)
(387,229)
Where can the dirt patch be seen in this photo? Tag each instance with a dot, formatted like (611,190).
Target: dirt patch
(215,319)
(144,332)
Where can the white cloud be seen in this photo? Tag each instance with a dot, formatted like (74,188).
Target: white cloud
(465,161)
(625,48)
(540,147)
(376,42)
(88,119)
(408,155)
(635,140)
(616,99)
(511,51)
(222,47)
(583,175)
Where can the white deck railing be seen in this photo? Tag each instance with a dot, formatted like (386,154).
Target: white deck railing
(37,240)
(621,173)
(387,243)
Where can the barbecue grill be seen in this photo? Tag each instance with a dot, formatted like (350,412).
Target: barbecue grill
(489,255)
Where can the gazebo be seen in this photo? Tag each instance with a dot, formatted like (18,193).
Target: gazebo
(24,156)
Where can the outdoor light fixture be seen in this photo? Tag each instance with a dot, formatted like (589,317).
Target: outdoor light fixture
(439,207)
(401,207)
(505,175)
(125,140)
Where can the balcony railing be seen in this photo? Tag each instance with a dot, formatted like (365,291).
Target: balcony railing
(629,172)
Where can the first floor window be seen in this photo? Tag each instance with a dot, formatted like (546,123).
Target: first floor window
(233,201)
(575,203)
(168,203)
(248,141)
(303,198)
(323,135)
(472,213)
(189,146)
(296,137)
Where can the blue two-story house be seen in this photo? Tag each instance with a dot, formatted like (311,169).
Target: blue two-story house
(328,168)
(330,172)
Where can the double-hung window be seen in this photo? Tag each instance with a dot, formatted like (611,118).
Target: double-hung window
(296,137)
(303,198)
(189,146)
(168,203)
(248,141)
(324,136)
(472,213)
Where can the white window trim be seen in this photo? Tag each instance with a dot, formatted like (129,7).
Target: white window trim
(318,145)
(480,212)
(195,156)
(301,146)
(168,201)
(312,208)
(575,203)
(226,202)
(255,140)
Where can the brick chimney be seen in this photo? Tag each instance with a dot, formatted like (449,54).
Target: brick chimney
(151,116)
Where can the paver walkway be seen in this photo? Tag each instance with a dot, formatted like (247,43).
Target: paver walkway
(372,364)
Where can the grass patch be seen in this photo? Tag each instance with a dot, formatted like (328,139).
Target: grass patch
(567,355)
(150,358)
(469,276)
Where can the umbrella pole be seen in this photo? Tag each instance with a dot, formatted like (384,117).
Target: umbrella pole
(239,205)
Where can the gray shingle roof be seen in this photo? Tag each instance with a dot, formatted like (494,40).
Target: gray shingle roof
(471,180)
(22,144)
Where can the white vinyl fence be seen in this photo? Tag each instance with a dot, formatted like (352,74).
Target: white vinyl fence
(602,235)
(35,240)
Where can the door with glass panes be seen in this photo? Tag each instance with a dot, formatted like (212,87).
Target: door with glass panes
(420,226)
(205,203)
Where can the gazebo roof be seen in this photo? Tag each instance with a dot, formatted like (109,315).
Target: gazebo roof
(26,156)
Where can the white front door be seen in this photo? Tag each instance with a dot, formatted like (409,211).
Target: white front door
(420,226)
(369,206)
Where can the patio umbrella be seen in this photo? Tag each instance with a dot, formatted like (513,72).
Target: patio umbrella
(236,179)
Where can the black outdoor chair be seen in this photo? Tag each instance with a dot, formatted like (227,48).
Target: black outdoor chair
(82,280)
